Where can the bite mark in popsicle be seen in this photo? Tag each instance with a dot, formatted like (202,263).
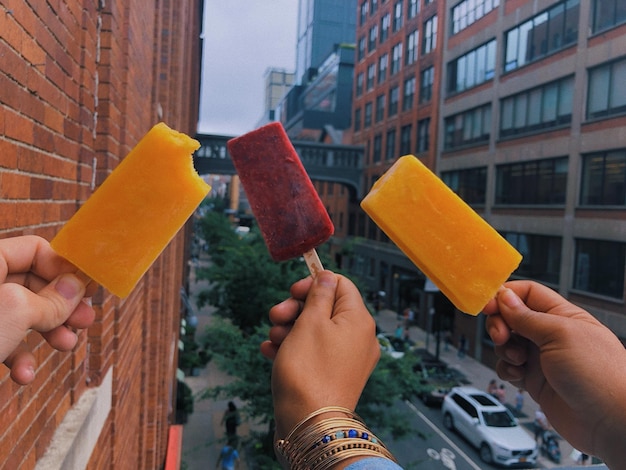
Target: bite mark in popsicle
(128,221)
(288,210)
(447,240)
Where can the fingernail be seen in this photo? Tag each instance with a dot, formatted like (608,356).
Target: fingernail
(326,278)
(68,286)
(510,298)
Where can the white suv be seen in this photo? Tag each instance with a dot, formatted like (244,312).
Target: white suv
(489,426)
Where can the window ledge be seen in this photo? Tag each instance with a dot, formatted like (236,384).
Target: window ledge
(74,440)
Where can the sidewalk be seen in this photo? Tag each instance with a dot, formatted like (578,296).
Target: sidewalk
(479,375)
(203,434)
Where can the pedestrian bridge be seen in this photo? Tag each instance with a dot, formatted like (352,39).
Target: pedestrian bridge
(335,163)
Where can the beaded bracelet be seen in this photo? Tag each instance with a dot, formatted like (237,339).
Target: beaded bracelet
(325,443)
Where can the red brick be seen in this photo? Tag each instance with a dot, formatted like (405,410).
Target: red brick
(48,140)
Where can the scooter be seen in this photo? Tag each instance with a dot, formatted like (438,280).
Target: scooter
(550,446)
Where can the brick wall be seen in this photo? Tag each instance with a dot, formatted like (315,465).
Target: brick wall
(81,81)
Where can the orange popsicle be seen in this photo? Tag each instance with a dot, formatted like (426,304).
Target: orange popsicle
(449,242)
(129,220)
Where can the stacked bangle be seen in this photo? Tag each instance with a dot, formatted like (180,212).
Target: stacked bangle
(320,445)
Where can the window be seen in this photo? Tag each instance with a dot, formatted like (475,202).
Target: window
(380,108)
(411,48)
(414,8)
(604,179)
(607,13)
(405,139)
(423,134)
(361,48)
(599,267)
(363,10)
(429,37)
(426,84)
(541,256)
(409,94)
(473,68)
(394,99)
(385,24)
(468,11)
(382,67)
(373,37)
(371,75)
(367,122)
(545,33)
(468,128)
(470,184)
(533,182)
(378,147)
(465,405)
(390,152)
(607,94)
(357,119)
(538,109)
(396,59)
(397,16)
(360,81)
(373,6)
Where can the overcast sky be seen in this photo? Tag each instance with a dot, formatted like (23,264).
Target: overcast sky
(242,39)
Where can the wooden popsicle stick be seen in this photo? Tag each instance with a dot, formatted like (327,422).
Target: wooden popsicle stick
(313,262)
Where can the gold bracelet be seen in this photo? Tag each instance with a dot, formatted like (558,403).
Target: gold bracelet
(325,443)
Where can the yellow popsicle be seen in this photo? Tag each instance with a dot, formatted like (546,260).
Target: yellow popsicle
(128,221)
(449,242)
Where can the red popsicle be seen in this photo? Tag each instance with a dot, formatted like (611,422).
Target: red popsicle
(287,208)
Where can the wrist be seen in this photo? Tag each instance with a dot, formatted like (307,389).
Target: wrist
(326,438)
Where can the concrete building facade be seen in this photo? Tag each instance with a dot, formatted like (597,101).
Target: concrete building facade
(527,125)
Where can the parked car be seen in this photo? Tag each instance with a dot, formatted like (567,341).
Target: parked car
(437,380)
(489,426)
(389,346)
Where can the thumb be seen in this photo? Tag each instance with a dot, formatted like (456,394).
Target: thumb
(533,325)
(320,300)
(55,303)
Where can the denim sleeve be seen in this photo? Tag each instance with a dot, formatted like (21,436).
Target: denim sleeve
(374,463)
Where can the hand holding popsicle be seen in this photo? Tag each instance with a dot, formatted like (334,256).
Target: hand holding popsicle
(38,291)
(561,355)
(287,208)
(335,336)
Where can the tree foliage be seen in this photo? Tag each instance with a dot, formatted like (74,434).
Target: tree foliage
(244,281)
(244,284)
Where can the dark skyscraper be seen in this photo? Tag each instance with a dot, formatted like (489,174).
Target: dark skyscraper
(322,24)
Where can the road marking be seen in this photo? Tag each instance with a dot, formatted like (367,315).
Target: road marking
(442,435)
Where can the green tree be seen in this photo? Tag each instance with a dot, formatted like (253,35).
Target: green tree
(244,284)
(244,280)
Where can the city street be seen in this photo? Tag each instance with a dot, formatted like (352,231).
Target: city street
(430,447)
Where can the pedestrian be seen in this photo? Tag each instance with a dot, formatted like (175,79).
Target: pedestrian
(519,401)
(462,346)
(229,456)
(231,419)
(501,394)
(399,331)
(492,388)
(541,424)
